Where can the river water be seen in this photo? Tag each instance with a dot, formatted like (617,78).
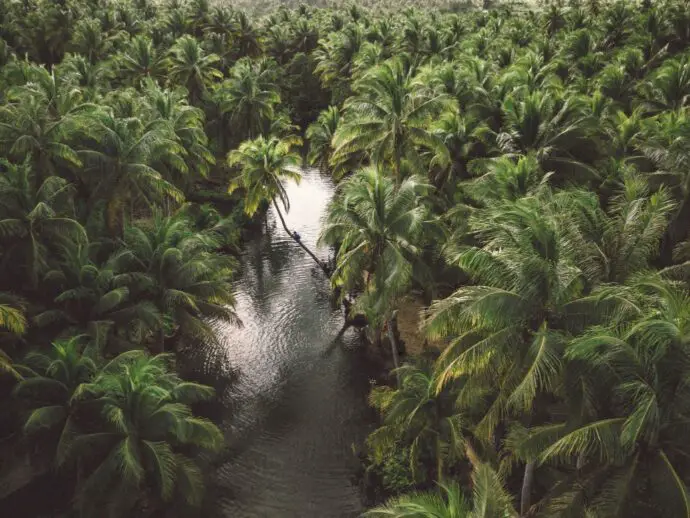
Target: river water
(297,407)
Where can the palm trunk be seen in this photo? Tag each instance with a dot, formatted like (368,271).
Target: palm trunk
(299,242)
(439,460)
(397,166)
(526,493)
(394,348)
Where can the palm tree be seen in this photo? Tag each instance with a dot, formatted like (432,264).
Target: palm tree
(79,71)
(665,142)
(40,122)
(335,58)
(142,439)
(265,164)
(140,60)
(97,302)
(91,40)
(417,415)
(120,169)
(389,118)
(192,68)
(33,221)
(489,500)
(48,388)
(539,123)
(13,321)
(669,86)
(633,364)
(170,112)
(246,39)
(506,179)
(508,327)
(249,97)
(464,137)
(320,135)
(377,228)
(181,273)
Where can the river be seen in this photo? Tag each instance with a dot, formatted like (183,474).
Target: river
(298,403)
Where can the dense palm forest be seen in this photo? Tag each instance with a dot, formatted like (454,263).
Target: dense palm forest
(526,170)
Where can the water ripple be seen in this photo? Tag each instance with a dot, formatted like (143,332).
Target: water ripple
(298,404)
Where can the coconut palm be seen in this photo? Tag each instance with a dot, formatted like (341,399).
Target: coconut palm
(464,138)
(490,499)
(170,112)
(79,71)
(140,60)
(146,424)
(506,179)
(377,228)
(335,58)
(665,142)
(33,221)
(179,271)
(265,164)
(192,68)
(635,440)
(39,122)
(96,301)
(50,382)
(389,118)
(550,128)
(417,415)
(120,169)
(246,39)
(669,86)
(527,280)
(249,97)
(90,40)
(12,321)
(320,135)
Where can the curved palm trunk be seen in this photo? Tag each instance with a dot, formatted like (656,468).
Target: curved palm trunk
(299,242)
(394,348)
(439,460)
(525,494)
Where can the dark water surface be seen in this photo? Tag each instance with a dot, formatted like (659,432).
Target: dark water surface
(298,405)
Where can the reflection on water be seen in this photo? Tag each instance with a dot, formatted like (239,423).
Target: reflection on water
(299,403)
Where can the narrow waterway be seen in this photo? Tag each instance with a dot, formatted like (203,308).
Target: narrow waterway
(298,404)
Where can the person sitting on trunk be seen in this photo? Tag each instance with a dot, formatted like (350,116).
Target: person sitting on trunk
(296,236)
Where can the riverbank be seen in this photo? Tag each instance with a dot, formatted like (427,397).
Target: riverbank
(410,322)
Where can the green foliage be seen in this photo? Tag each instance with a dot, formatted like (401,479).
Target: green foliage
(555,236)
(265,164)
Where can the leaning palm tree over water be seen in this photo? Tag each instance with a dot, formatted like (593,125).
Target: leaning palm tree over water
(265,164)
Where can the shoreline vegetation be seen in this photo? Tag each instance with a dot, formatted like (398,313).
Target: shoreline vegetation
(513,188)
